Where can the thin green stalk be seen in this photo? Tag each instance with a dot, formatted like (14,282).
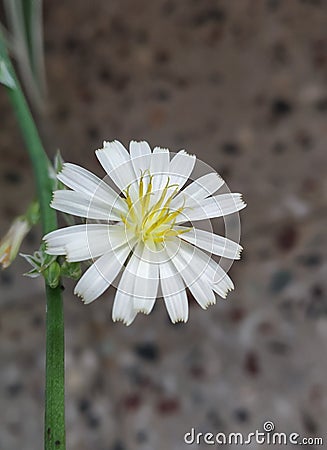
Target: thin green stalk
(25,24)
(54,435)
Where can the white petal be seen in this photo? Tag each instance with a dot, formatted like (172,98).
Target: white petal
(146,280)
(81,180)
(159,161)
(159,169)
(140,280)
(96,243)
(82,205)
(213,243)
(101,274)
(195,281)
(116,161)
(123,307)
(56,240)
(218,206)
(140,156)
(112,155)
(198,190)
(174,293)
(181,167)
(222,282)
(82,242)
(206,267)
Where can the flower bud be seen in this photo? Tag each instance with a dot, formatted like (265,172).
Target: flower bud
(52,274)
(10,244)
(71,270)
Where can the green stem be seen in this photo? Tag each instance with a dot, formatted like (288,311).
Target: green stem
(54,434)
(54,431)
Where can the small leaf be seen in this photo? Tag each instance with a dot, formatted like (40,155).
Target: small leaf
(58,162)
(33,273)
(5,77)
(32,260)
(40,260)
(54,169)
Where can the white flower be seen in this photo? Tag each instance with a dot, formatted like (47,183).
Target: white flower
(141,230)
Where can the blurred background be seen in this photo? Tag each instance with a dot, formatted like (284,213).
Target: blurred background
(243,85)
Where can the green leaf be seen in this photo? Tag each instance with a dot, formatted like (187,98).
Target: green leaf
(33,273)
(40,261)
(5,77)
(54,170)
(58,162)
(32,260)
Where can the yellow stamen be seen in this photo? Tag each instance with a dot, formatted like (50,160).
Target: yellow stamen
(152,223)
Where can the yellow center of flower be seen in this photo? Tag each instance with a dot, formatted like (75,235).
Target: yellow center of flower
(152,222)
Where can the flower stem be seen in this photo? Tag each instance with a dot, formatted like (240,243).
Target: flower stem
(54,434)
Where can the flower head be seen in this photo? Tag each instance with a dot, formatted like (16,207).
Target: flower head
(139,229)
(11,242)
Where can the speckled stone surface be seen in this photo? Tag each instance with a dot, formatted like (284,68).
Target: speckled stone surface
(243,85)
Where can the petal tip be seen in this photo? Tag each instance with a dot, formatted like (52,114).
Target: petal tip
(239,252)
(78,294)
(122,320)
(180,320)
(184,152)
(210,303)
(142,311)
